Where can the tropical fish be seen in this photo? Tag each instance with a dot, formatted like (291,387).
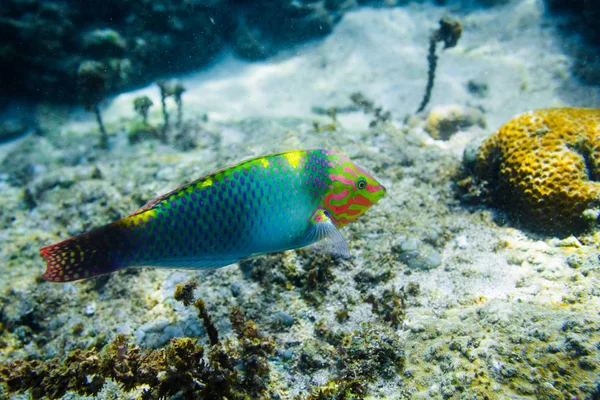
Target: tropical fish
(263,205)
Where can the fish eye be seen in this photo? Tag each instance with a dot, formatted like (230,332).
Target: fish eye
(361,184)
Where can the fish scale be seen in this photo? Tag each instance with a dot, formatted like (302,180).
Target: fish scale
(263,205)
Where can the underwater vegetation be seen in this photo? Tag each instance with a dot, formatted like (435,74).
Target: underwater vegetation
(144,130)
(543,167)
(233,369)
(142,105)
(367,106)
(449,32)
(167,90)
(136,42)
(358,356)
(92,87)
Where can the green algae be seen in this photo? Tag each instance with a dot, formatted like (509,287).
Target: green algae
(310,272)
(231,370)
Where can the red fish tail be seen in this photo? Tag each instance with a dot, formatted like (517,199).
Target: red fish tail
(84,256)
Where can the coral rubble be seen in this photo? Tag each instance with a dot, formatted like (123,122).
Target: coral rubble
(444,121)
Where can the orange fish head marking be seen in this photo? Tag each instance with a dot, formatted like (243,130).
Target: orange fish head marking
(352,191)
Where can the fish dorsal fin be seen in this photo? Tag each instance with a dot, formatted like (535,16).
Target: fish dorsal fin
(154,202)
(325,236)
(207,180)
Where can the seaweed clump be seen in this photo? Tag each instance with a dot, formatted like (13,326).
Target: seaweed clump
(449,32)
(184,292)
(142,105)
(92,86)
(140,131)
(360,356)
(167,371)
(167,90)
(369,107)
(164,93)
(234,370)
(391,306)
(255,349)
(312,273)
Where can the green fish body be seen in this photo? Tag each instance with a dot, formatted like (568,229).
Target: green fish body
(263,205)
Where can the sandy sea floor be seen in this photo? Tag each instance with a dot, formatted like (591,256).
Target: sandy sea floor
(482,307)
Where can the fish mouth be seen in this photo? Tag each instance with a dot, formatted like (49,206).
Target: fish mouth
(380,193)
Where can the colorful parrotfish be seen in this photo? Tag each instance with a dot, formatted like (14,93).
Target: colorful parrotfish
(263,205)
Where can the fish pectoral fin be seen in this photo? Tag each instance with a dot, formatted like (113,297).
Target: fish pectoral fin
(325,236)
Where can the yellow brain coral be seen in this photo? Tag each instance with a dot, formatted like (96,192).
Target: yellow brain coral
(544,165)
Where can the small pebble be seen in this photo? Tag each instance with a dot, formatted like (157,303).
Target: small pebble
(283,319)
(90,309)
(462,242)
(478,88)
(432,259)
(236,289)
(288,354)
(411,244)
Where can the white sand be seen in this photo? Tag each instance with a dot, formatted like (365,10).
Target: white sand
(383,53)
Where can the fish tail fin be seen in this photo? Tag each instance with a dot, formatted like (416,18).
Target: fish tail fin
(83,256)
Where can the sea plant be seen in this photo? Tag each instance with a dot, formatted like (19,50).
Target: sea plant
(92,86)
(165,92)
(360,356)
(449,33)
(183,369)
(177,90)
(142,105)
(369,107)
(332,126)
(142,130)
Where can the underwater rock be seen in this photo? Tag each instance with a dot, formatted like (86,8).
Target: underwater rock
(580,17)
(584,15)
(283,319)
(138,41)
(20,169)
(12,129)
(104,42)
(478,88)
(444,121)
(543,166)
(417,255)
(154,334)
(491,3)
(250,42)
(313,356)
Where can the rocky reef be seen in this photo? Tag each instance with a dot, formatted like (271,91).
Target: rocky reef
(439,301)
(45,42)
(444,297)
